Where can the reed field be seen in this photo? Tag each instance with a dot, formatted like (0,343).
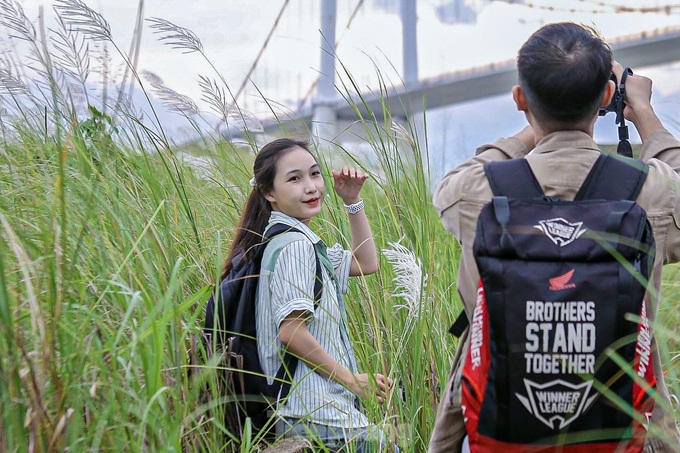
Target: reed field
(111,242)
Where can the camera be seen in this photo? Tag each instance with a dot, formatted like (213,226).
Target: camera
(616,99)
(617,104)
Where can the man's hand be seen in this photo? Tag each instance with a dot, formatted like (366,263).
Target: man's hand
(638,98)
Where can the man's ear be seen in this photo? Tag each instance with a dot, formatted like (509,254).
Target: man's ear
(609,91)
(519,98)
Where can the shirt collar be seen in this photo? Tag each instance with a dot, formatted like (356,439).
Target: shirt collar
(565,140)
(280,217)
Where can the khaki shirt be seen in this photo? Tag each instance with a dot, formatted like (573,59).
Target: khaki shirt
(561,161)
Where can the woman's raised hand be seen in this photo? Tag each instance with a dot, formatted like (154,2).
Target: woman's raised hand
(348,183)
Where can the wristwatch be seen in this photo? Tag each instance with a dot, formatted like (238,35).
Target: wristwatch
(354,208)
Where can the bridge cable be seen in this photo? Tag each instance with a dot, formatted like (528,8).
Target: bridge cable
(262,49)
(616,9)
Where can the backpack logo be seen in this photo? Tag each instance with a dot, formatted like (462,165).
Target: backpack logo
(557,401)
(560,231)
(562,282)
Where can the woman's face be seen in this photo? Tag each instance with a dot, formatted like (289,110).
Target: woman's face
(298,188)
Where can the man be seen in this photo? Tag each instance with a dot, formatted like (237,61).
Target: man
(564,74)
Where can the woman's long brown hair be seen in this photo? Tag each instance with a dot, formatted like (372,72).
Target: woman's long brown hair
(257,209)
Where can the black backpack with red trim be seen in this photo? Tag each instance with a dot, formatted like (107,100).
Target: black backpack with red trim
(559,355)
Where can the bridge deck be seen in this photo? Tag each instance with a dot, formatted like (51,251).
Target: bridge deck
(634,51)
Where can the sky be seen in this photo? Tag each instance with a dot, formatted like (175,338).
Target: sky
(234,31)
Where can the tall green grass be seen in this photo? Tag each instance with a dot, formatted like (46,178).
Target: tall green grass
(110,246)
(104,284)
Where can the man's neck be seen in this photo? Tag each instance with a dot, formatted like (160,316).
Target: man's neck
(541,131)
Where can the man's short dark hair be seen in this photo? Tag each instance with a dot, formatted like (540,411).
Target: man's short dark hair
(563,71)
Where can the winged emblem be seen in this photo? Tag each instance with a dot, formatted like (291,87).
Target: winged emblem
(562,282)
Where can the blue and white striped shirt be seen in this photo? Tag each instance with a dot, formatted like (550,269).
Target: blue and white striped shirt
(287,287)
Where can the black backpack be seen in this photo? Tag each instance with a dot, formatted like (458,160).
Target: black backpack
(230,330)
(559,353)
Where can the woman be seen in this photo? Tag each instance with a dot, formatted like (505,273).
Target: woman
(289,189)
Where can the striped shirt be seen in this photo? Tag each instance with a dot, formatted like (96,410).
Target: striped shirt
(287,287)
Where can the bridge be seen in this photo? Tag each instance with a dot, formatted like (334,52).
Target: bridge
(635,51)
(331,115)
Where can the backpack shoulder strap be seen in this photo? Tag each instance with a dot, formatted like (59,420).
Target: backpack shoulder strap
(459,325)
(278,236)
(614,178)
(512,178)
